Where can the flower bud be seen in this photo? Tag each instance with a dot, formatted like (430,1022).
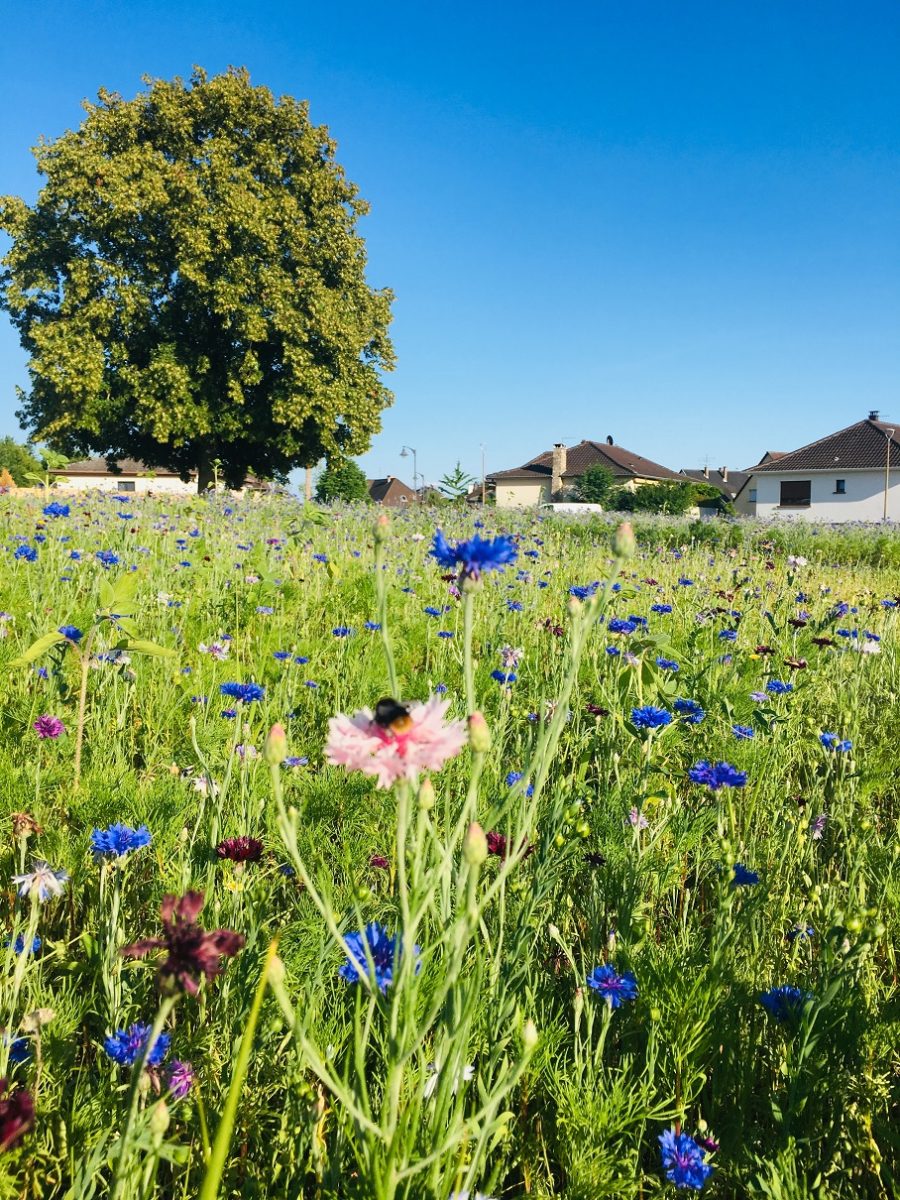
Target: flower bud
(479,734)
(381,528)
(529,1036)
(276,747)
(276,970)
(475,849)
(159,1119)
(623,541)
(426,794)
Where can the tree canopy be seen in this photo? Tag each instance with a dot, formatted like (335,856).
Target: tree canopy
(19,461)
(595,485)
(190,285)
(455,485)
(341,480)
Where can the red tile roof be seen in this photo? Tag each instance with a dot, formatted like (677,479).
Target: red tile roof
(858,447)
(624,464)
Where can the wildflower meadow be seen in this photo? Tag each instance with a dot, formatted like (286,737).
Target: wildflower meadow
(451,853)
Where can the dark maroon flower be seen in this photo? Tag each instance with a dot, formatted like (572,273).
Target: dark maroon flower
(192,952)
(379,861)
(709,1144)
(823,641)
(596,710)
(764,650)
(651,582)
(593,859)
(797,664)
(240,849)
(496,844)
(798,622)
(16,1115)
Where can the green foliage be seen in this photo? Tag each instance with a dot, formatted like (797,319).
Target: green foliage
(595,485)
(455,484)
(342,479)
(19,460)
(667,496)
(190,285)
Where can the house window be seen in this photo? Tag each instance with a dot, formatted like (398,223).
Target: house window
(796,493)
(127,486)
(840,487)
(753,495)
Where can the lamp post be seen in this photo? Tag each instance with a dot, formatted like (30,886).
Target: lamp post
(483,484)
(405,452)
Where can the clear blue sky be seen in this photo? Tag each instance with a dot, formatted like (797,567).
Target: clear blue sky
(673,223)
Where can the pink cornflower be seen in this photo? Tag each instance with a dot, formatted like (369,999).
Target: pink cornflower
(48,727)
(359,743)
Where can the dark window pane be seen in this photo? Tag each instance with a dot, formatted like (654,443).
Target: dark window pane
(796,493)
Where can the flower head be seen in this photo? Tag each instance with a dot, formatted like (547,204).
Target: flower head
(55,509)
(71,633)
(690,711)
(683,1160)
(240,849)
(475,556)
(650,717)
(126,1045)
(777,688)
(180,1078)
(16,1115)
(373,942)
(611,986)
(48,727)
(193,953)
(717,775)
(43,880)
(360,743)
(743,877)
(244,692)
(785,1003)
(119,840)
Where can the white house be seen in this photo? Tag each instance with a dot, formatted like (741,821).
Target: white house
(131,476)
(851,475)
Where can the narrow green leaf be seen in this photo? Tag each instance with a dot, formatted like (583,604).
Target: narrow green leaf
(142,646)
(36,649)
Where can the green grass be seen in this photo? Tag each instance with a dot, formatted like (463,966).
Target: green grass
(337,1100)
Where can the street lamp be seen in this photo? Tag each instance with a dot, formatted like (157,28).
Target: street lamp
(483,483)
(405,452)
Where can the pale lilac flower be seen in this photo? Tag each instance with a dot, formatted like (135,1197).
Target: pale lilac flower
(511,656)
(359,743)
(43,880)
(637,820)
(817,826)
(217,650)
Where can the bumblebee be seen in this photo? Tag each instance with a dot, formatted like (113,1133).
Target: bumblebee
(392,715)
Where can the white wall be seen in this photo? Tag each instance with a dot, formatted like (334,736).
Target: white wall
(864,500)
(163,484)
(527,494)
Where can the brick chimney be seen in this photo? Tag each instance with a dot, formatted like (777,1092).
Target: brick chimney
(706,470)
(558,469)
(723,471)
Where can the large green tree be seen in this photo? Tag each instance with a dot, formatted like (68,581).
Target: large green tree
(19,461)
(190,285)
(341,480)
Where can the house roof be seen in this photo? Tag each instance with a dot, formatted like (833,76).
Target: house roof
(728,487)
(624,464)
(389,490)
(100,466)
(857,447)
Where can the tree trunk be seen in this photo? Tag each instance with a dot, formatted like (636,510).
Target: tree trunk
(307,486)
(205,474)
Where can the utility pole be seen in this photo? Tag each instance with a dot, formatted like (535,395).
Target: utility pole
(889,433)
(483,483)
(405,452)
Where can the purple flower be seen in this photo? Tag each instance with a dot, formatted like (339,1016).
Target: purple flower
(48,727)
(817,826)
(181,1078)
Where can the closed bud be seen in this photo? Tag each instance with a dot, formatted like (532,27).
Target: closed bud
(574,606)
(529,1036)
(381,527)
(426,794)
(479,734)
(276,971)
(276,747)
(159,1119)
(475,848)
(623,541)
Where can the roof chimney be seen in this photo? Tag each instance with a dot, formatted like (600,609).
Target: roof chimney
(558,469)
(723,471)
(609,440)
(706,470)
(873,414)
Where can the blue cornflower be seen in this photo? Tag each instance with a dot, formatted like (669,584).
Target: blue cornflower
(642,621)
(743,732)
(440,689)
(584,592)
(108,558)
(504,676)
(383,950)
(342,631)
(728,635)
(684,582)
(514,605)
(777,688)
(843,747)
(690,711)
(119,840)
(264,610)
(28,553)
(888,603)
(800,931)
(513,778)
(785,1003)
(431,611)
(743,876)
(474,556)
(611,986)
(532,554)
(246,692)
(650,717)
(281,655)
(72,632)
(302,659)
(372,626)
(125,1045)
(661,608)
(620,625)
(613,651)
(322,558)
(19,944)
(839,610)
(683,1160)
(716,776)
(75,555)
(55,509)
(667,664)
(445,633)
(294,760)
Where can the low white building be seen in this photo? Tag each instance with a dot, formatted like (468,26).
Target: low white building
(851,475)
(130,476)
